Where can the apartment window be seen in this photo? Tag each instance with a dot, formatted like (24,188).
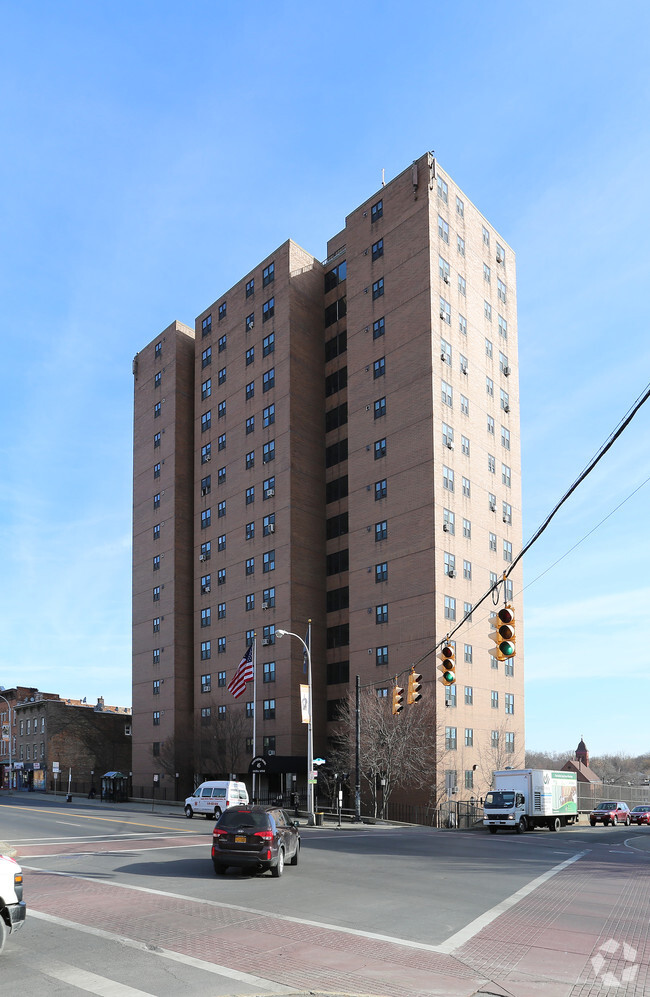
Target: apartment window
(509,743)
(486,273)
(501,253)
(250,353)
(250,324)
(506,475)
(157,410)
(377,289)
(494,699)
(269,709)
(446,394)
(507,551)
(156,624)
(206,421)
(268,524)
(381,613)
(269,672)
(206,617)
(250,460)
(158,351)
(443,269)
(156,562)
(268,561)
(492,463)
(464,405)
(460,245)
(377,249)
(380,448)
(486,237)
(268,275)
(493,662)
(206,453)
(469,695)
(268,344)
(376,211)
(443,229)
(206,713)
(505,400)
(206,650)
(250,495)
(221,611)
(268,635)
(380,408)
(250,425)
(381,655)
(156,593)
(466,487)
(468,654)
(268,745)
(250,287)
(450,608)
(250,602)
(449,521)
(501,291)
(156,470)
(205,584)
(445,311)
(443,192)
(505,438)
(221,645)
(221,409)
(206,325)
(222,310)
(268,598)
(503,327)
(381,489)
(221,576)
(156,719)
(378,328)
(488,348)
(507,513)
(450,564)
(250,565)
(489,386)
(156,656)
(450,695)
(460,207)
(503,364)
(467,529)
(222,342)
(447,436)
(462,325)
(467,570)
(381,572)
(450,738)
(269,488)
(206,683)
(268,452)
(462,286)
(205,551)
(268,309)
(381,531)
(221,442)
(487,310)
(509,702)
(206,357)
(156,531)
(156,440)
(493,541)
(490,425)
(221,509)
(206,389)
(464,446)
(379,368)
(447,479)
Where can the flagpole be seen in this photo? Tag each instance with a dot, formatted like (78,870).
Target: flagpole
(254,710)
(310,734)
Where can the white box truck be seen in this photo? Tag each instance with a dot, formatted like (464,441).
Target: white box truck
(526,798)
(12,905)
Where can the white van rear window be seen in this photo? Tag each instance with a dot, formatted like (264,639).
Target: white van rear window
(219,792)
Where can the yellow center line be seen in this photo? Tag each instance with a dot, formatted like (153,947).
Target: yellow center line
(108,820)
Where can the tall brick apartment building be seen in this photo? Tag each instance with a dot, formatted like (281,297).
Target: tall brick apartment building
(335,441)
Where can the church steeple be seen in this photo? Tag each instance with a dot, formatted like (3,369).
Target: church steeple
(582,755)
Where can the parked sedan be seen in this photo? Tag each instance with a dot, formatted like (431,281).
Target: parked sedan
(641,815)
(255,838)
(610,812)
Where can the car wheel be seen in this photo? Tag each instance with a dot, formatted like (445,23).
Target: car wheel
(294,860)
(3,933)
(522,825)
(189,812)
(217,813)
(627,821)
(593,823)
(220,869)
(555,824)
(606,822)
(278,868)
(493,830)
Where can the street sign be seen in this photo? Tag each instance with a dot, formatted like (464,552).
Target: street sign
(55,767)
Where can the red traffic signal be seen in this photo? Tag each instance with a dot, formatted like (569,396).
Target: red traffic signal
(447,665)
(398,700)
(503,633)
(414,687)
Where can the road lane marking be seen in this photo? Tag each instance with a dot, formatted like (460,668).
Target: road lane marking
(91,982)
(185,960)
(460,938)
(69,823)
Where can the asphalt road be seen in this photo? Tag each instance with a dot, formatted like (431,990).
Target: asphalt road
(110,889)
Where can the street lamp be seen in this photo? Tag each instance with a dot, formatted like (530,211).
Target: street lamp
(310,728)
(9,738)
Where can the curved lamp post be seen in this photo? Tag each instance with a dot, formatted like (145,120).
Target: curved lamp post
(310,729)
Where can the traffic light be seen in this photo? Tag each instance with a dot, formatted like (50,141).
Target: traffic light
(415,681)
(448,664)
(503,633)
(398,699)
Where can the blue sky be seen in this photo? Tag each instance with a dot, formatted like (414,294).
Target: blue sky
(152,150)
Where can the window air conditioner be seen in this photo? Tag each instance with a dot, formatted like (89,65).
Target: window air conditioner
(206,589)
(505,519)
(443,356)
(442,314)
(271,528)
(270,751)
(265,605)
(208,457)
(493,508)
(463,369)
(451,573)
(507,371)
(202,557)
(506,408)
(270,492)
(445,528)
(446,278)
(450,445)
(204,491)
(499,258)
(266,641)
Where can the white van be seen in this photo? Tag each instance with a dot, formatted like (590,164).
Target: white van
(212,798)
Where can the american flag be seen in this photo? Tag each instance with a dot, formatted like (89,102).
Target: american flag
(243,674)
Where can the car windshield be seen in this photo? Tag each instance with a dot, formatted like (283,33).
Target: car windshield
(500,799)
(606,806)
(641,810)
(233,819)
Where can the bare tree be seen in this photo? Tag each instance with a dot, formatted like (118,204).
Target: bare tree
(219,746)
(396,751)
(494,756)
